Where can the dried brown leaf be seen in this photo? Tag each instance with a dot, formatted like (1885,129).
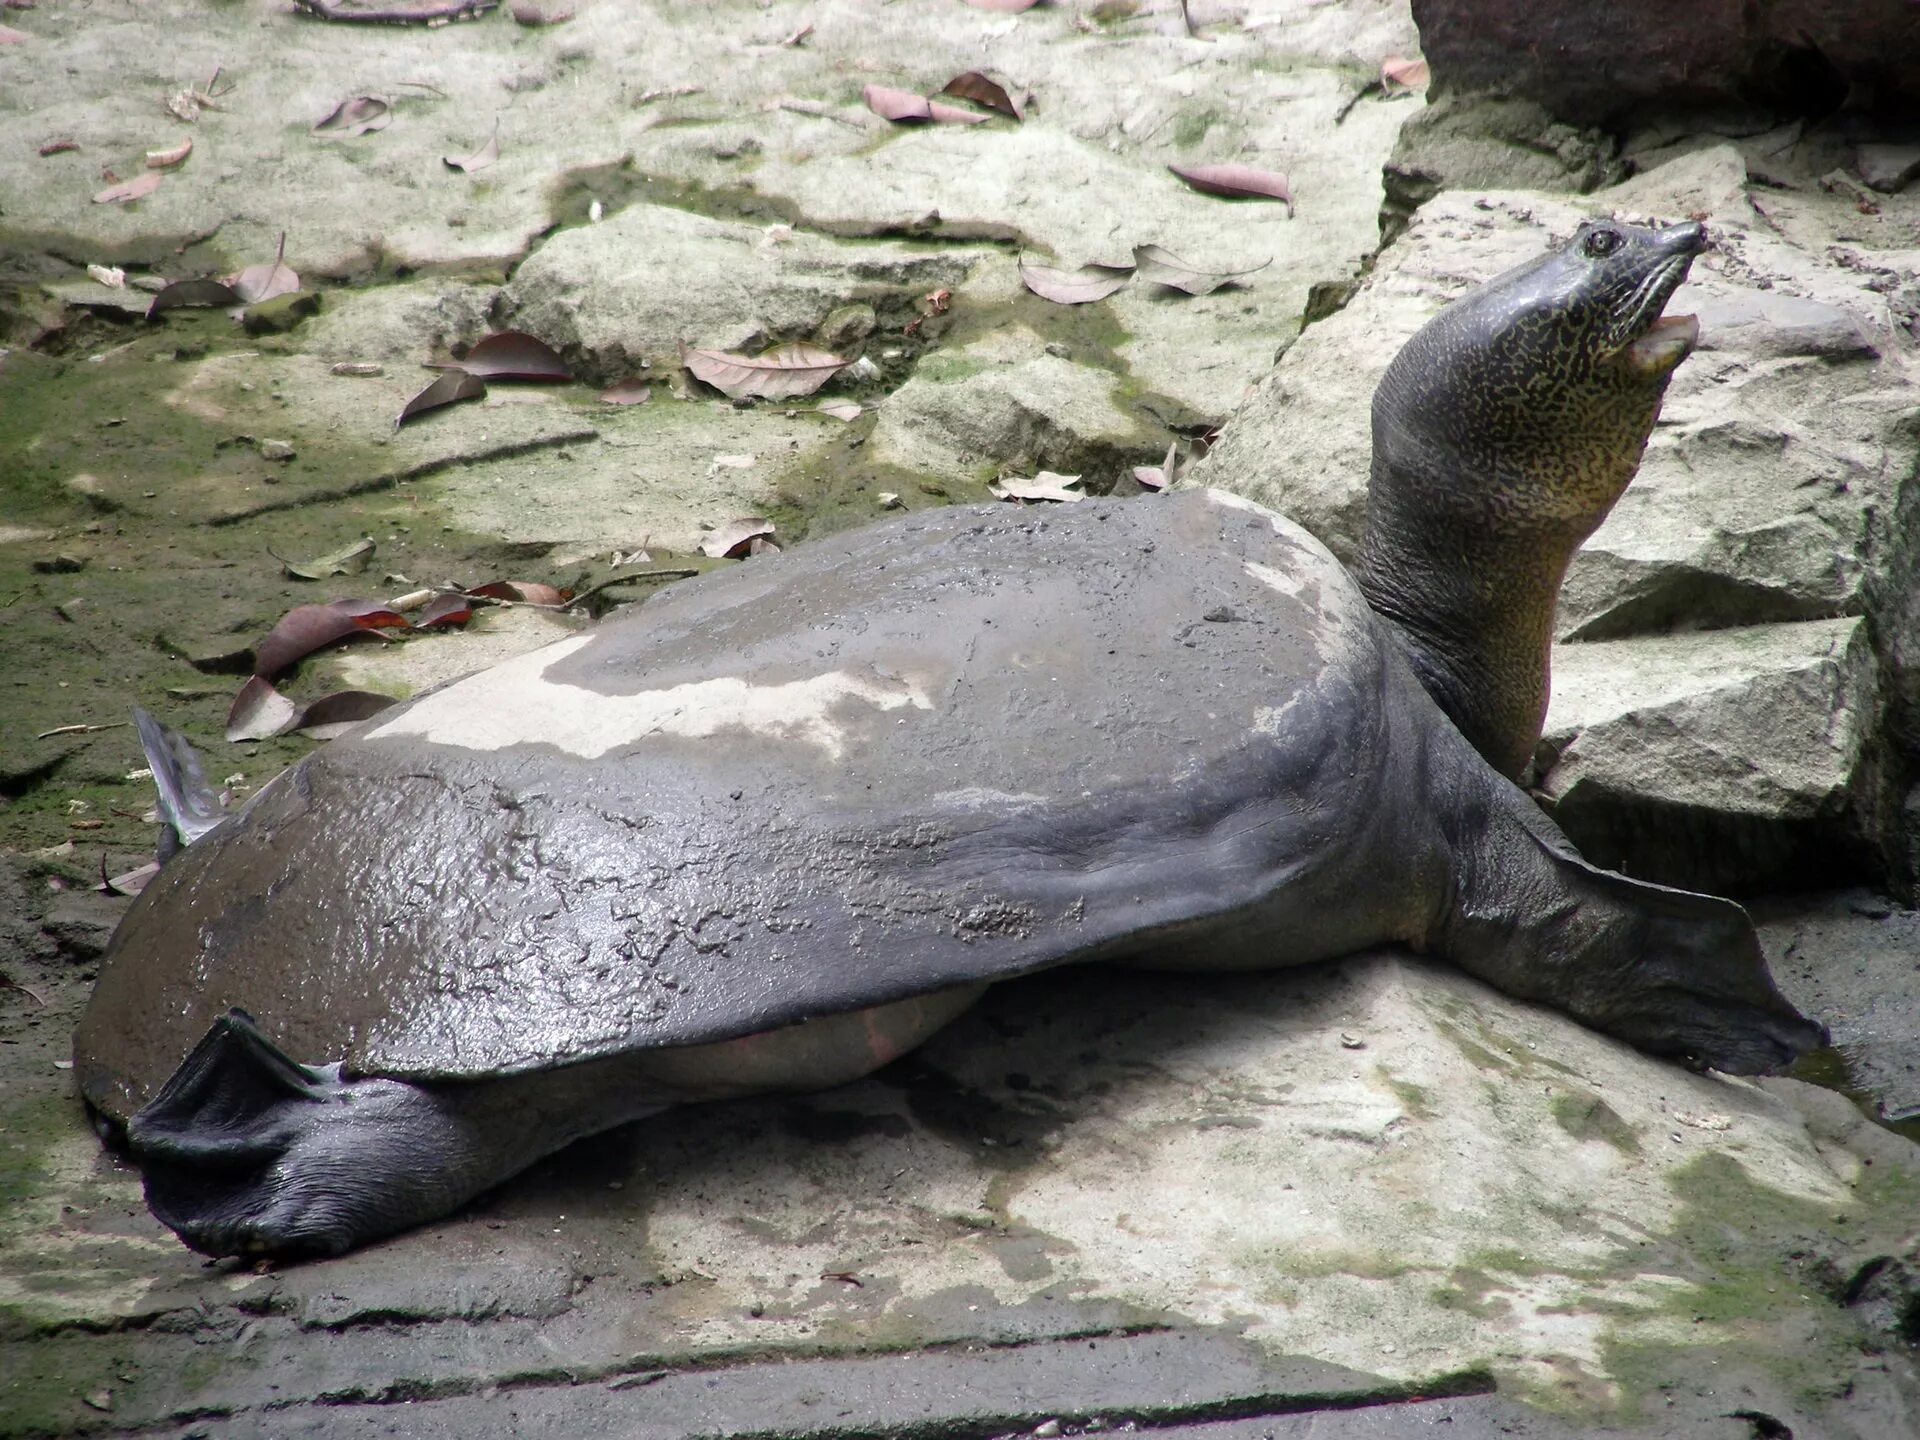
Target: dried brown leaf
(333,715)
(449,389)
(360,115)
(259,711)
(183,294)
(841,410)
(128,882)
(527,592)
(1074,287)
(515,355)
(634,391)
(486,155)
(1158,477)
(1163,267)
(1237,182)
(1398,71)
(306,628)
(167,159)
(1045,486)
(265,282)
(782,373)
(444,610)
(348,561)
(736,537)
(982,90)
(905,107)
(138,188)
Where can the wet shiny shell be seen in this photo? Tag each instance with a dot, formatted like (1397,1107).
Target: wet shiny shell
(960,746)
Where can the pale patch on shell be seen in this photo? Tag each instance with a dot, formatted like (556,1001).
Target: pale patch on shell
(516,704)
(1291,585)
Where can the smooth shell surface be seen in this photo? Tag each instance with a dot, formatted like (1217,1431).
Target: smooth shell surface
(959,746)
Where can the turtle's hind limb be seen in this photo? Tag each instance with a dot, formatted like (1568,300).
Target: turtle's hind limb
(1672,972)
(245,1151)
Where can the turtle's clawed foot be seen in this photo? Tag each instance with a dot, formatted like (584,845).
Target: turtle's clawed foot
(247,1152)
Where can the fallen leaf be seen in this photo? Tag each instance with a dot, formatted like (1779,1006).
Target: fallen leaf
(332,715)
(11,36)
(259,711)
(736,537)
(1004,7)
(799,37)
(128,882)
(1407,74)
(445,610)
(1044,486)
(972,85)
(111,276)
(905,107)
(528,592)
(730,462)
(515,355)
(349,561)
(1163,267)
(265,282)
(486,155)
(1074,287)
(1158,477)
(627,392)
(759,545)
(138,188)
(359,116)
(185,293)
(782,373)
(841,410)
(307,628)
(167,159)
(1237,182)
(449,389)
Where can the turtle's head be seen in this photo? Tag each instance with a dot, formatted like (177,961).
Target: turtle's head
(1503,432)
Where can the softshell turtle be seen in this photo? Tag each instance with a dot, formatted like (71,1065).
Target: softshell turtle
(778,825)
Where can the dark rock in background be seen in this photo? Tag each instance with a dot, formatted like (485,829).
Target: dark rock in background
(1594,64)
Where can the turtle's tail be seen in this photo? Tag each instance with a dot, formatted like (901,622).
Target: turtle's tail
(1674,973)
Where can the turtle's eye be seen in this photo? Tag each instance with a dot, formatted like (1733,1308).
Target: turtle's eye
(1600,242)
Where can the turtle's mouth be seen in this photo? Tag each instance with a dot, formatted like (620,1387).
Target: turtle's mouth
(1660,342)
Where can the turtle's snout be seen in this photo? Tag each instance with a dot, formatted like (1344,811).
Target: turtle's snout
(1687,239)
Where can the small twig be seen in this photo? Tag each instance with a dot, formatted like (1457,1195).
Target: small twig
(818,111)
(678,572)
(8,983)
(407,12)
(81,729)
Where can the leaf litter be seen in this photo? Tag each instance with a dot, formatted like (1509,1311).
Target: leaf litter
(903,107)
(736,538)
(351,560)
(487,154)
(360,115)
(984,90)
(1162,267)
(138,188)
(784,372)
(1047,485)
(307,628)
(514,355)
(1074,287)
(260,711)
(449,389)
(1237,182)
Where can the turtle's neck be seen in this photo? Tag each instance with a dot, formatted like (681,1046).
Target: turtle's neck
(1474,609)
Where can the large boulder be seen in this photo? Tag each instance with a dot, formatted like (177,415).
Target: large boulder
(1596,63)
(1768,498)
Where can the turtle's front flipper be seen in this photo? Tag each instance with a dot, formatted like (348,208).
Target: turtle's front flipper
(247,1152)
(1672,972)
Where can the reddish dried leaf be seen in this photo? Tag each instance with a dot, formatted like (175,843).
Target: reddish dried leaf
(359,116)
(1163,267)
(972,85)
(736,537)
(1158,477)
(138,188)
(306,628)
(1397,70)
(333,715)
(348,561)
(445,610)
(515,355)
(259,711)
(954,115)
(265,282)
(529,592)
(449,389)
(1237,182)
(627,392)
(1074,287)
(183,294)
(897,105)
(782,373)
(486,155)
